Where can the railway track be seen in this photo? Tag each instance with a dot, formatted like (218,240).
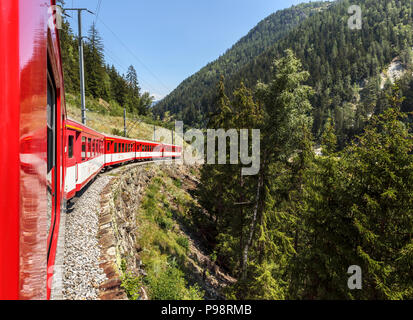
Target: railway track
(77,272)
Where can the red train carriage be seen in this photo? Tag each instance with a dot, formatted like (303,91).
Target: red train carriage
(119,150)
(32,141)
(85,156)
(147,150)
(171,151)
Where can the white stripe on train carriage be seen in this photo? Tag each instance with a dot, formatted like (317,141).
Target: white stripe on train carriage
(115,157)
(84,171)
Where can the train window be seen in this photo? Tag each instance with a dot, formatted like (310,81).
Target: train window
(83,148)
(116,147)
(123,147)
(51,126)
(108,147)
(51,177)
(89,147)
(93,147)
(70,147)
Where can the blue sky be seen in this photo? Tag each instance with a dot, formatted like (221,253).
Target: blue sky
(169,40)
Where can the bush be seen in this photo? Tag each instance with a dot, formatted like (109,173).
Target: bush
(170,284)
(130,283)
(164,222)
(183,242)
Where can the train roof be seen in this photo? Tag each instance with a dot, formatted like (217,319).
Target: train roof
(118,137)
(82,126)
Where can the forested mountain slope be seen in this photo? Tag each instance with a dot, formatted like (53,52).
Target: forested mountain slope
(344,64)
(197,91)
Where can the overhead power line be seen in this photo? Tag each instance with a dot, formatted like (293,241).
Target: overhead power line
(116,60)
(134,55)
(98,10)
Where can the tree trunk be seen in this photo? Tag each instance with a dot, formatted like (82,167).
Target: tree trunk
(253,225)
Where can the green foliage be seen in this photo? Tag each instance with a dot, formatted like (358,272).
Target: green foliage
(307,218)
(183,242)
(101,80)
(168,283)
(164,222)
(130,283)
(329,138)
(117,132)
(166,250)
(194,99)
(344,65)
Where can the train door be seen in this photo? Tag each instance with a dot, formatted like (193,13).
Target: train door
(71,164)
(108,153)
(51,160)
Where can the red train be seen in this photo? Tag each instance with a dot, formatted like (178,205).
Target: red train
(89,152)
(45,158)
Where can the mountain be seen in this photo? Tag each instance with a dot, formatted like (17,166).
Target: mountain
(345,65)
(197,91)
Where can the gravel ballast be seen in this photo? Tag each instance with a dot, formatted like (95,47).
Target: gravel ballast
(82,275)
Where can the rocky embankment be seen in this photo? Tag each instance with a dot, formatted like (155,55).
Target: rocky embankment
(102,234)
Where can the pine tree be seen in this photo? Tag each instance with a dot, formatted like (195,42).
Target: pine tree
(133,99)
(94,66)
(381,175)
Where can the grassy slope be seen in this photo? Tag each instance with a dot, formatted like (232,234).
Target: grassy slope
(165,247)
(177,265)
